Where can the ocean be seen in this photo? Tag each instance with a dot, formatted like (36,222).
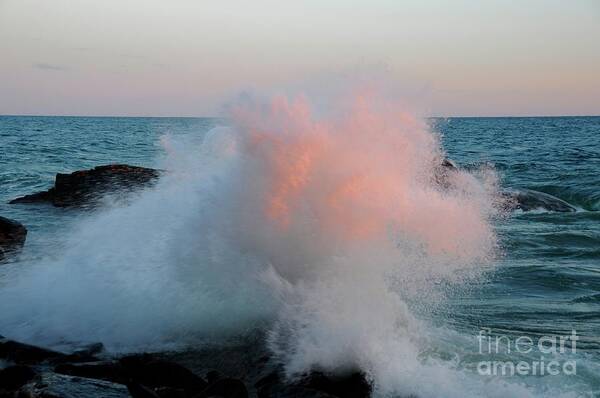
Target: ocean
(152,273)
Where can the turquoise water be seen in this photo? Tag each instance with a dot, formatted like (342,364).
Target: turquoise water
(549,279)
(546,282)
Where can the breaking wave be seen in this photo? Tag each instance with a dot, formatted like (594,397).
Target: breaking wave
(331,232)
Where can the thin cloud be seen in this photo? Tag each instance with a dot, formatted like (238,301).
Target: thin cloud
(43,66)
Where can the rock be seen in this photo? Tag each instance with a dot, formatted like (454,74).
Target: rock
(139,372)
(140,391)
(523,199)
(316,384)
(442,173)
(12,236)
(213,376)
(353,385)
(26,354)
(449,164)
(85,354)
(90,350)
(86,187)
(225,388)
(51,385)
(108,371)
(153,372)
(13,377)
(293,391)
(273,386)
(170,392)
(528,199)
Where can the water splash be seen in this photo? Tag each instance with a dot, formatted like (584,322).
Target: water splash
(320,228)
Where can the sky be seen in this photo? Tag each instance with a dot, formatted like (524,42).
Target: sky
(189,57)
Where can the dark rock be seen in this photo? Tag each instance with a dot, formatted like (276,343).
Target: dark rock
(523,199)
(86,354)
(213,376)
(293,391)
(51,385)
(153,372)
(225,388)
(14,377)
(170,392)
(353,385)
(90,350)
(85,187)
(316,384)
(528,199)
(140,391)
(448,164)
(24,353)
(12,236)
(108,371)
(442,173)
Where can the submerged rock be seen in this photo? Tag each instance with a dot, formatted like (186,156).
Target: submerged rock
(86,187)
(12,236)
(513,199)
(528,200)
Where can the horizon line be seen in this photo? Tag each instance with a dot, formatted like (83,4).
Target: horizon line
(221,117)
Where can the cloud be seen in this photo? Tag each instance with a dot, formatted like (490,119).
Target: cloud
(43,66)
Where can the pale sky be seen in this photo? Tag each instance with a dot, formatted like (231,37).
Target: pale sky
(188,57)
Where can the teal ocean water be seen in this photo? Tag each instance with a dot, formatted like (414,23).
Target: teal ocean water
(545,280)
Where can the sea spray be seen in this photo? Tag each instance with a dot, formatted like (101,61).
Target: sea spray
(353,223)
(320,229)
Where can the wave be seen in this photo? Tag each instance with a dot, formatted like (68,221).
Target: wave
(322,230)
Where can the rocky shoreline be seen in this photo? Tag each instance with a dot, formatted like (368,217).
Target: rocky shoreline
(240,370)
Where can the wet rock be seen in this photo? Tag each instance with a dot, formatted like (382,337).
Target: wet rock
(108,371)
(13,377)
(12,236)
(86,187)
(353,385)
(528,200)
(443,172)
(170,392)
(154,373)
(316,384)
(225,388)
(293,391)
(51,385)
(90,350)
(449,164)
(212,376)
(140,391)
(26,354)
(85,354)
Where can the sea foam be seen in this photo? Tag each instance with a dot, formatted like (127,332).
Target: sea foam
(329,230)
